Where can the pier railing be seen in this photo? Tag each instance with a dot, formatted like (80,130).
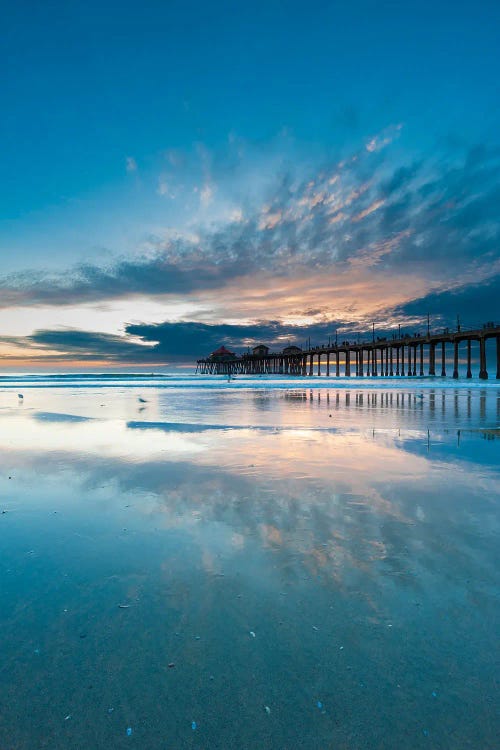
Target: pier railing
(381,357)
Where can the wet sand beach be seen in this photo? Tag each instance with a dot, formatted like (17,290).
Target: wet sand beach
(264,567)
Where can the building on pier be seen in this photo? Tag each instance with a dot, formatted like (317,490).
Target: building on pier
(222,355)
(261,350)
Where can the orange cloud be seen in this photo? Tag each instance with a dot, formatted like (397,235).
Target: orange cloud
(367,211)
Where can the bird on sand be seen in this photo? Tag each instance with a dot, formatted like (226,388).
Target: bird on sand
(142,400)
(20,396)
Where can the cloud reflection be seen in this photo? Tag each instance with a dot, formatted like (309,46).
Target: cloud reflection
(337,501)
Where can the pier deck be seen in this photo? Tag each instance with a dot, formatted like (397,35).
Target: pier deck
(405,355)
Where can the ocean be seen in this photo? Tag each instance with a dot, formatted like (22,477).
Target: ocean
(270,563)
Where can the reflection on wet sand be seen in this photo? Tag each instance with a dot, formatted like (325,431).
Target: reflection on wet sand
(326,494)
(354,534)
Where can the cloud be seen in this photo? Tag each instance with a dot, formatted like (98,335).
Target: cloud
(371,231)
(159,344)
(130,164)
(165,188)
(170,343)
(206,195)
(192,339)
(63,344)
(383,139)
(475,305)
(369,210)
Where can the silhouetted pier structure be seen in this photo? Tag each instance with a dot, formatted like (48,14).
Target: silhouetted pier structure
(398,356)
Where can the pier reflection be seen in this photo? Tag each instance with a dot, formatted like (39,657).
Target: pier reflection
(462,407)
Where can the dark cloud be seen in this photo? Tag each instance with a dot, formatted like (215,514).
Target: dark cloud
(86,343)
(86,283)
(400,178)
(196,340)
(475,305)
(81,346)
(163,343)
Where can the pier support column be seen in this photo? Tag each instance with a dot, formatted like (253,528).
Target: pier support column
(360,362)
(391,369)
(397,360)
(368,352)
(498,357)
(328,364)
(348,363)
(455,360)
(319,365)
(310,365)
(421,360)
(432,358)
(443,359)
(387,362)
(414,360)
(374,362)
(382,362)
(483,373)
(403,359)
(469,371)
(337,364)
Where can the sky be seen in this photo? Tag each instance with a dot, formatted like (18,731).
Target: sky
(180,175)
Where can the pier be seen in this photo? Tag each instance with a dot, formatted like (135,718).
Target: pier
(402,355)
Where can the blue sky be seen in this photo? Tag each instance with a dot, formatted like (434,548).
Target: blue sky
(144,145)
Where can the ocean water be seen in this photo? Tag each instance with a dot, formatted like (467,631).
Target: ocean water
(262,563)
